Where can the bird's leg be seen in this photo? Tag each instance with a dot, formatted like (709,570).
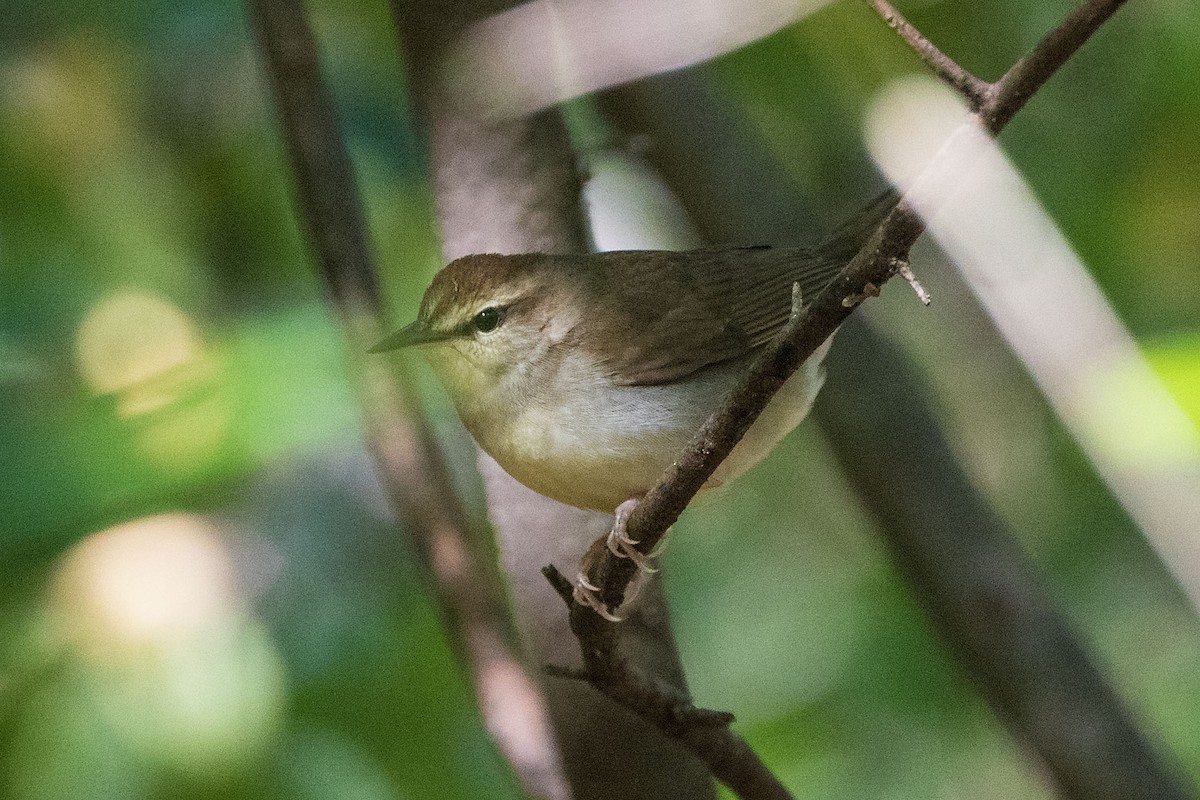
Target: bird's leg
(619,542)
(585,592)
(621,545)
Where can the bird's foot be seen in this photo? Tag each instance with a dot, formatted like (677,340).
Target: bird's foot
(622,546)
(585,594)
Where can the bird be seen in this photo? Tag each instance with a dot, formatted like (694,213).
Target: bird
(584,376)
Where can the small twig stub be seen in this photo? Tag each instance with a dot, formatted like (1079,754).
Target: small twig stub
(904,270)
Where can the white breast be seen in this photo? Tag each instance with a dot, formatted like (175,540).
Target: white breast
(579,439)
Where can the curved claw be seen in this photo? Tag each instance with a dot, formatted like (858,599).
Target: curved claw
(643,562)
(582,580)
(660,547)
(619,543)
(585,595)
(623,547)
(635,587)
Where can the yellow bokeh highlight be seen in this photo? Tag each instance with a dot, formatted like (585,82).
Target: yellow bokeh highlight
(1131,415)
(131,337)
(149,355)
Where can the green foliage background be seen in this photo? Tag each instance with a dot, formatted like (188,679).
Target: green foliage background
(140,159)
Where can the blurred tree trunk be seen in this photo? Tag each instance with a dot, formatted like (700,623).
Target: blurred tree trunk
(511,186)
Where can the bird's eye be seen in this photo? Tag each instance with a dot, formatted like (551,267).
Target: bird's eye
(488,320)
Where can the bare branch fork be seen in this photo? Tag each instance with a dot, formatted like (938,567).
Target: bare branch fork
(992,106)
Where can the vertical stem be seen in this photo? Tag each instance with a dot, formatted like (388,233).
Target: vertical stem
(458,558)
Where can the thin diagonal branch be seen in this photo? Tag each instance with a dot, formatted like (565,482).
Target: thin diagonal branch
(1079,769)
(1010,94)
(456,556)
(996,103)
(943,535)
(873,266)
(974,89)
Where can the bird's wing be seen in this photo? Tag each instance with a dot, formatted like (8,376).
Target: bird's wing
(680,312)
(661,323)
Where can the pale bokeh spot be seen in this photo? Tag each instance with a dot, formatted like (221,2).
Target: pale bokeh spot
(142,584)
(150,356)
(544,52)
(181,672)
(131,337)
(1050,310)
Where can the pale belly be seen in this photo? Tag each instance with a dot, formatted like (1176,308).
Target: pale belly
(604,446)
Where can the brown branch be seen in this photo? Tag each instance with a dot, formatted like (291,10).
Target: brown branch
(873,266)
(942,533)
(996,103)
(704,733)
(457,557)
(972,88)
(1024,656)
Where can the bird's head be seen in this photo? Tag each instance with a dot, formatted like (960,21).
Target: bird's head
(484,317)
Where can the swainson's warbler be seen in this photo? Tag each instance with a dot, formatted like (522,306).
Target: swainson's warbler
(584,376)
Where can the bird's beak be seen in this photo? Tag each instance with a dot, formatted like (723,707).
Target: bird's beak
(418,332)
